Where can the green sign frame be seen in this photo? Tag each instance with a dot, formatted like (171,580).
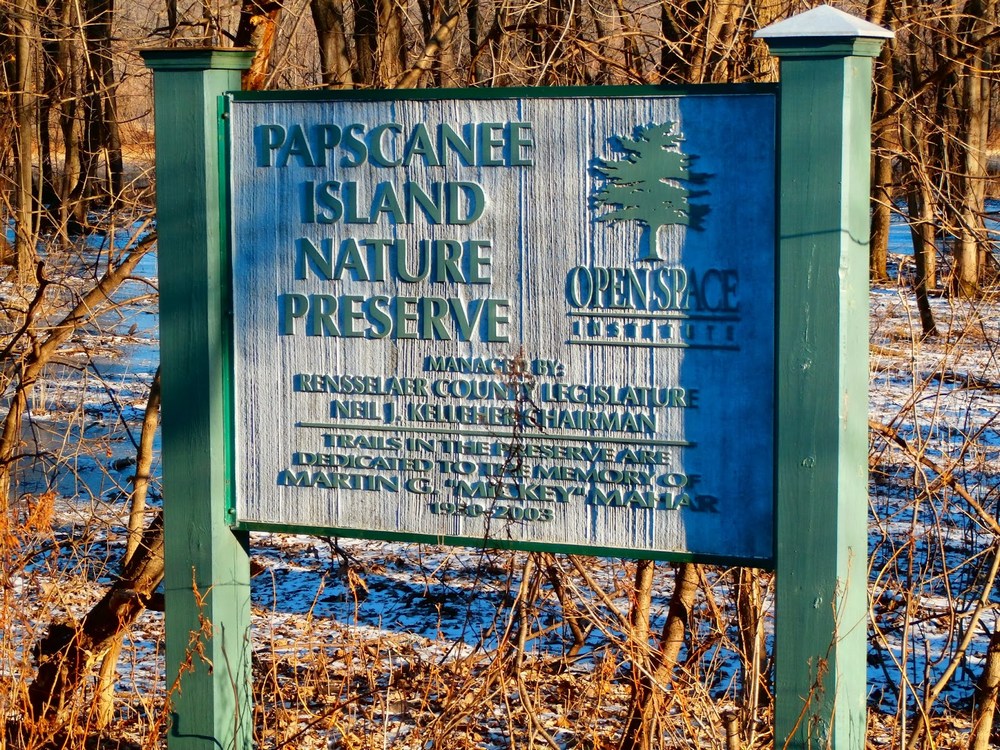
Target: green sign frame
(282,142)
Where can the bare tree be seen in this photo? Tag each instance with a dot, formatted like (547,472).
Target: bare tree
(63,78)
(331,32)
(651,668)
(257,29)
(26,103)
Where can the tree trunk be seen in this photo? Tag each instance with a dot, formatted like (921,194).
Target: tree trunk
(449,74)
(100,18)
(711,61)
(68,651)
(171,8)
(753,652)
(334,60)
(61,95)
(970,228)
(100,127)
(975,104)
(258,29)
(878,255)
(94,113)
(437,42)
(639,617)
(104,693)
(51,90)
(881,196)
(924,252)
(475,68)
(924,256)
(987,691)
(920,203)
(642,724)
(392,43)
(636,735)
(68,62)
(26,98)
(633,60)
(365,42)
(379,45)
(8,74)
(675,64)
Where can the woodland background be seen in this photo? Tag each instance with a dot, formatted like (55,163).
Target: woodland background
(672,656)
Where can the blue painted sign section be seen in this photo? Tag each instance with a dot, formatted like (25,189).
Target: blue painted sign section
(533,320)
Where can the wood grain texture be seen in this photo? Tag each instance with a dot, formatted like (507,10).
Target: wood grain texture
(207,578)
(541,222)
(822,365)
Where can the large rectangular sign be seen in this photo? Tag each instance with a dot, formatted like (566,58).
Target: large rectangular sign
(531,320)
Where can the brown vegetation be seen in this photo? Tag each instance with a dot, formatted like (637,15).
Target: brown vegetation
(63,120)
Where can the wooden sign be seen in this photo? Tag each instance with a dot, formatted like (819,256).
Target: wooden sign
(514,320)
(522,320)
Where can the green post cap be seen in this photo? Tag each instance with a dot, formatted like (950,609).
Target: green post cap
(824,31)
(197,58)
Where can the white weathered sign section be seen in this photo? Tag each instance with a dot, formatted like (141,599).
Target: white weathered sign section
(526,320)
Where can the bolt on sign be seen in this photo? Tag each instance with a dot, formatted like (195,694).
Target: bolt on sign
(536,320)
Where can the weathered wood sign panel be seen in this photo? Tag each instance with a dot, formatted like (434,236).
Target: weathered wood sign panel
(530,320)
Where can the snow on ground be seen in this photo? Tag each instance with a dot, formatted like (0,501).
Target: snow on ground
(355,640)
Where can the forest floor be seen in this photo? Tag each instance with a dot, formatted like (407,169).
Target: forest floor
(361,644)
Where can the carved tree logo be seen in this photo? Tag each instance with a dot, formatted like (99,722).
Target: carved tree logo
(644,186)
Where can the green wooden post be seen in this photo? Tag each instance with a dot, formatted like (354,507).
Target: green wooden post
(207,577)
(822,373)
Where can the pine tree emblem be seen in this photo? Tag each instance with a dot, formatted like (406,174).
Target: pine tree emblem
(644,186)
